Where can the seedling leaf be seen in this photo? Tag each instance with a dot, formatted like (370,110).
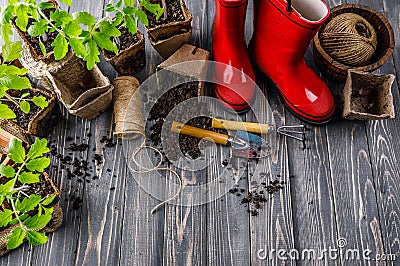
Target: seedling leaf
(60,45)
(28,178)
(11,51)
(7,171)
(6,112)
(25,107)
(38,164)
(38,149)
(15,151)
(28,204)
(5,217)
(40,101)
(16,238)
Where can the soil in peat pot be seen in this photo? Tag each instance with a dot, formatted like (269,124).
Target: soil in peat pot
(23,119)
(43,188)
(174,13)
(47,39)
(124,41)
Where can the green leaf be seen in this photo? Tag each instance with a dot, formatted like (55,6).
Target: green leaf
(24,95)
(128,10)
(38,164)
(16,238)
(22,17)
(38,149)
(15,82)
(108,29)
(7,171)
(85,18)
(5,32)
(131,24)
(42,47)
(40,101)
(49,200)
(109,8)
(104,42)
(61,17)
(45,5)
(28,178)
(3,89)
(37,222)
(60,45)
(119,18)
(77,46)
(7,187)
(155,9)
(12,70)
(11,51)
(68,2)
(73,29)
(6,112)
(142,17)
(38,28)
(6,14)
(28,204)
(92,55)
(15,151)
(25,107)
(5,217)
(36,238)
(129,2)
(119,4)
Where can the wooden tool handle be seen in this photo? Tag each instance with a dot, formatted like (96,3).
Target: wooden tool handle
(199,133)
(245,126)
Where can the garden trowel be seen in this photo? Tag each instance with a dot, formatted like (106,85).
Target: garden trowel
(244,144)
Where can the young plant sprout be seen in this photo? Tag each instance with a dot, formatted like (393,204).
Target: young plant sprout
(26,211)
(12,79)
(78,31)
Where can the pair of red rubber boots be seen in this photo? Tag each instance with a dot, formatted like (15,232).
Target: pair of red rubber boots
(283,31)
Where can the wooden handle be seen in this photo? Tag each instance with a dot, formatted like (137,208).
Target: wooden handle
(199,133)
(245,126)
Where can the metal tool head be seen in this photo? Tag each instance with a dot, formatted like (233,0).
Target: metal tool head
(248,145)
(294,132)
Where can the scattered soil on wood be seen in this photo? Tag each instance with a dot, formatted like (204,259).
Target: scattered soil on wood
(174,13)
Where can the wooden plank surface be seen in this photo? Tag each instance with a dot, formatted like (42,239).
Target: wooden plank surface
(345,184)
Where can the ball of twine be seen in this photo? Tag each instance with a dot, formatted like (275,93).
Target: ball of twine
(349,39)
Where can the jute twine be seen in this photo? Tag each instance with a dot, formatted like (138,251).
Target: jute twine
(349,39)
(129,125)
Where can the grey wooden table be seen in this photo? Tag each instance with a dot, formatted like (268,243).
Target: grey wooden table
(344,187)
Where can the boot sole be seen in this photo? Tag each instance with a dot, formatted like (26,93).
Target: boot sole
(271,82)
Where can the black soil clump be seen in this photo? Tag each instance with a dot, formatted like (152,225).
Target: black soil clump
(256,198)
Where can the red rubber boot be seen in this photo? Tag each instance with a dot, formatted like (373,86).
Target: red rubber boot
(282,34)
(229,47)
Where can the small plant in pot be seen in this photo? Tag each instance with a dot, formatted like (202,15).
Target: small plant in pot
(172,30)
(29,198)
(131,57)
(24,109)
